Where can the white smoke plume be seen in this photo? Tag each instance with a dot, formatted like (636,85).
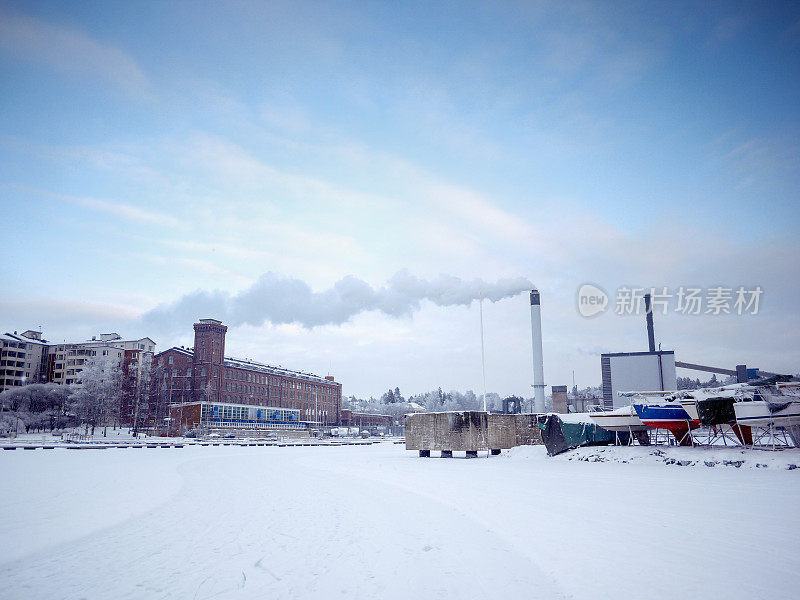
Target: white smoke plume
(276,299)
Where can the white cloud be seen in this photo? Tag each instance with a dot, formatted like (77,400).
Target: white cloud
(119,209)
(70,51)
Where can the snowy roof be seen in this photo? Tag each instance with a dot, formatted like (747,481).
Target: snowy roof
(15,337)
(243,363)
(252,365)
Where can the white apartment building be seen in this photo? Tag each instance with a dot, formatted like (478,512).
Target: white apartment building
(22,359)
(65,362)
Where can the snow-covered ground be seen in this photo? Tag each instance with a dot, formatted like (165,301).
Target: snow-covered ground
(379,522)
(78,433)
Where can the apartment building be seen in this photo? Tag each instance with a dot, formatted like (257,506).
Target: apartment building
(66,361)
(22,359)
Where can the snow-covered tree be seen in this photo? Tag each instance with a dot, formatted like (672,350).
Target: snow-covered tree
(139,382)
(37,406)
(97,400)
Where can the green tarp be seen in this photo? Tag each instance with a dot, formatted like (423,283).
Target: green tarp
(559,436)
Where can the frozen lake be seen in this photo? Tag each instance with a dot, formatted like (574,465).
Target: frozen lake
(378,522)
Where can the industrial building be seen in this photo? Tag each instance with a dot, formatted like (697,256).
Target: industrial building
(652,371)
(365,420)
(204,388)
(632,371)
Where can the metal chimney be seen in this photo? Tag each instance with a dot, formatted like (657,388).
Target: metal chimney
(538,364)
(648,309)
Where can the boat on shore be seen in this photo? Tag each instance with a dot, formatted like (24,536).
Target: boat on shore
(713,407)
(562,432)
(768,407)
(620,419)
(663,410)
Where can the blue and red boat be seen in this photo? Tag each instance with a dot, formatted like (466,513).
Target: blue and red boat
(665,412)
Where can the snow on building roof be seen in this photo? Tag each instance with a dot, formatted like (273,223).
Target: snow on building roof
(252,365)
(16,337)
(244,363)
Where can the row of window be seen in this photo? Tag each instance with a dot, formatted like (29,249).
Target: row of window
(10,373)
(248,413)
(8,344)
(257,378)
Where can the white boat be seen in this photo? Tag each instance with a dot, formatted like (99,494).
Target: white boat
(620,419)
(768,407)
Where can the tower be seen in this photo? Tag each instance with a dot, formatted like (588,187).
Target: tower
(538,364)
(209,354)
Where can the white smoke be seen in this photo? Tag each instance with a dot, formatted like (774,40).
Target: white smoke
(276,299)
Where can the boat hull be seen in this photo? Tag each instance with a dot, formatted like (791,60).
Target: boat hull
(619,420)
(672,417)
(755,413)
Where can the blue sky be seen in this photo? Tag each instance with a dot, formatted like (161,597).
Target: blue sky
(150,151)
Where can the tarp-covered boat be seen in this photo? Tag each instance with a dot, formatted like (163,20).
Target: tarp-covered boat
(564,432)
(713,407)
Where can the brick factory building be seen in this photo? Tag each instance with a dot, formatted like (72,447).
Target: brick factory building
(356,419)
(204,388)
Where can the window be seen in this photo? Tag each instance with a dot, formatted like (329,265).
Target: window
(171,359)
(203,372)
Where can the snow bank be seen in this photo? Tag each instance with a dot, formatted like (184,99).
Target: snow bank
(703,457)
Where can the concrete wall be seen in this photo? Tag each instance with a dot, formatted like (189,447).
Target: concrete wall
(527,432)
(470,430)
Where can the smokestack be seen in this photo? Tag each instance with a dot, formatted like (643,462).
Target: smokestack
(648,309)
(538,364)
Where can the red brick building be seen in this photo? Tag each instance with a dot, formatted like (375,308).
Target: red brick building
(356,419)
(203,387)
